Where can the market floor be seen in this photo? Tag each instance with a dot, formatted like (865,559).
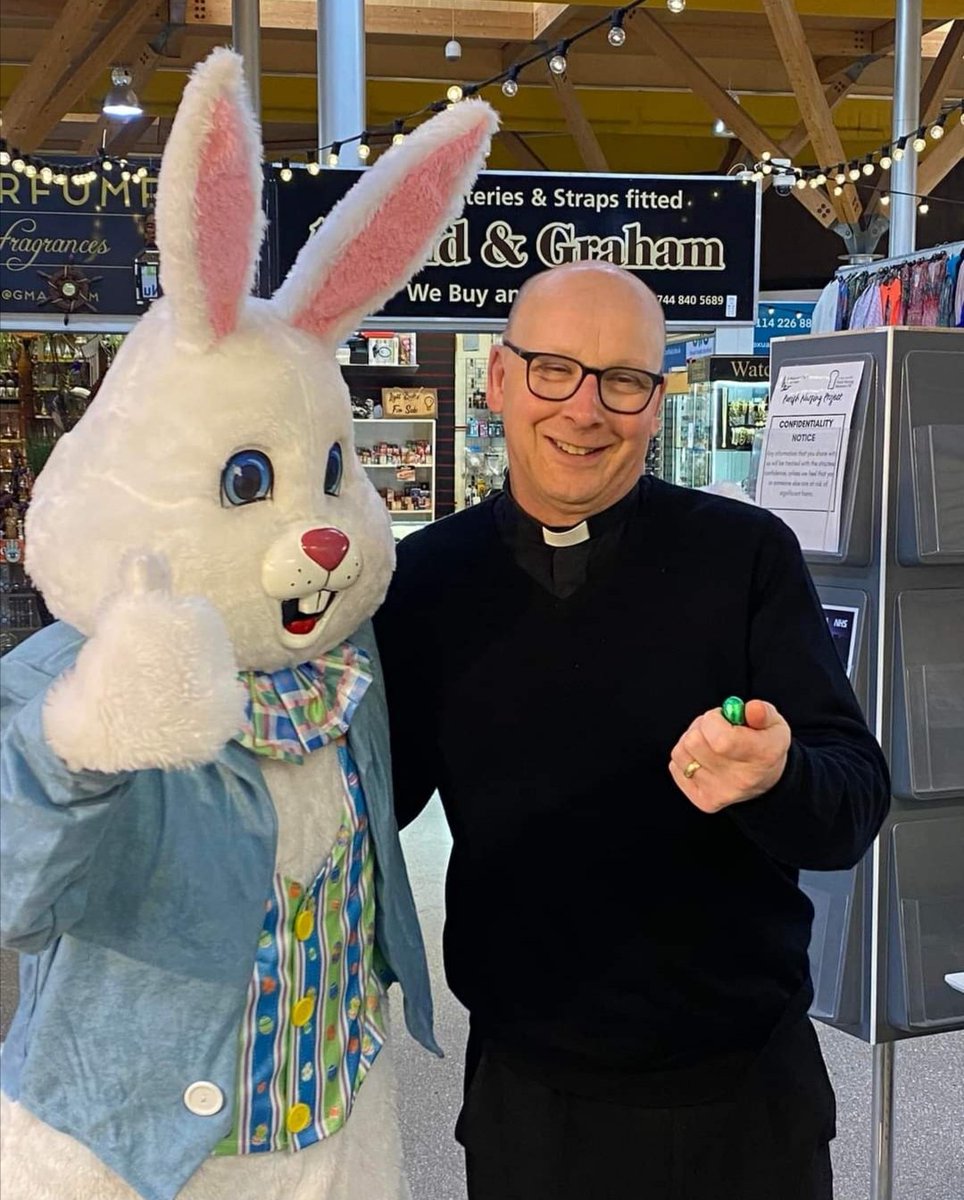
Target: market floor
(929,1085)
(929,1077)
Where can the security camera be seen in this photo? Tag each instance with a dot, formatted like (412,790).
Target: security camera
(784,179)
(453,49)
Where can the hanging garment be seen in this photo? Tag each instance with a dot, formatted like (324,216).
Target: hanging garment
(891,300)
(824,318)
(867,312)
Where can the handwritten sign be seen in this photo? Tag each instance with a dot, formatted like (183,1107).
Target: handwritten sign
(805,449)
(409,402)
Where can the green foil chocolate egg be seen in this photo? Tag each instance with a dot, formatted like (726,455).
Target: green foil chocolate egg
(733,710)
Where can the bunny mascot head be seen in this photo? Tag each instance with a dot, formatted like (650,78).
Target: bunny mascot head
(201,867)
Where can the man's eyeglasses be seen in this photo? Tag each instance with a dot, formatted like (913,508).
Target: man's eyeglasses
(624,390)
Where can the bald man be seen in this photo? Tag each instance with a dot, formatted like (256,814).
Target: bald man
(623,920)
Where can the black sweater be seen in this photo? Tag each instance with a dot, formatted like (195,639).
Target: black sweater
(598,925)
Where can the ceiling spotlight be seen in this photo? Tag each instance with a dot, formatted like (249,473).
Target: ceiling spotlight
(510,86)
(616,35)
(919,143)
(557,64)
(868,168)
(121,101)
(364,150)
(885,162)
(455,93)
(923,208)
(453,49)
(675,6)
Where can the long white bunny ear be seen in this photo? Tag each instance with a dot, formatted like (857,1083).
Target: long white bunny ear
(209,220)
(385,228)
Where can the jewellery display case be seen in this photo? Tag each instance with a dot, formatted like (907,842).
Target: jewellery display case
(480,453)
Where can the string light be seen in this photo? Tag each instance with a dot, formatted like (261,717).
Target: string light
(333,153)
(885,200)
(399,135)
(285,174)
(813,182)
(616,35)
(364,149)
(125,175)
(854,172)
(885,162)
(676,6)
(923,208)
(937,130)
(919,143)
(46,175)
(4,158)
(106,165)
(510,86)
(801,183)
(455,93)
(840,177)
(30,170)
(558,64)
(18,165)
(868,168)
(837,189)
(140,173)
(821,179)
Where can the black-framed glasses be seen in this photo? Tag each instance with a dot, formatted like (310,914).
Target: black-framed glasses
(624,390)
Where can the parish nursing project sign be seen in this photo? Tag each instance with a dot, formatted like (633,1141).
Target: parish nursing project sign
(694,241)
(805,449)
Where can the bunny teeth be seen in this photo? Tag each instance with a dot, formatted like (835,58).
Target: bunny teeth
(316,604)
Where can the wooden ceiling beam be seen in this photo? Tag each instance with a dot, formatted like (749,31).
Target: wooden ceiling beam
(721,104)
(939,76)
(791,40)
(941,159)
(64,44)
(521,151)
(549,20)
(582,131)
(117,40)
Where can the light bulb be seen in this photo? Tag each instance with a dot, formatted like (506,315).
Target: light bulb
(77,180)
(923,208)
(885,200)
(557,64)
(885,161)
(314,167)
(30,170)
(813,182)
(757,176)
(46,175)
(840,177)
(107,165)
(837,189)
(455,93)
(919,144)
(285,174)
(398,138)
(18,165)
(801,183)
(125,175)
(821,179)
(509,87)
(675,6)
(854,173)
(937,131)
(767,168)
(142,172)
(898,153)
(332,158)
(4,158)
(616,35)
(766,156)
(868,168)
(364,150)
(60,180)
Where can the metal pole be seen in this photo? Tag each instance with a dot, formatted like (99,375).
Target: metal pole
(341,75)
(882,1123)
(246,39)
(907,49)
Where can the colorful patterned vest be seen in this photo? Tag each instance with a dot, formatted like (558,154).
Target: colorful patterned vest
(312,1026)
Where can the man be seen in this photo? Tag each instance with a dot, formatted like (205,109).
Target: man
(623,918)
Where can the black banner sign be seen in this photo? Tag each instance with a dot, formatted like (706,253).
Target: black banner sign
(693,240)
(96,227)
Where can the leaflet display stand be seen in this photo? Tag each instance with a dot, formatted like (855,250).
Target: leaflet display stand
(888,936)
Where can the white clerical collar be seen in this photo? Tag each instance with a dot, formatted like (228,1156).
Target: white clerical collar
(567,537)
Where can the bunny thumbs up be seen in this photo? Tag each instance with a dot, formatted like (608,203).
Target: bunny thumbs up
(155,684)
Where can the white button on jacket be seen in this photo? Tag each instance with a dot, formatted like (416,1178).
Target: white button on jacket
(204,1099)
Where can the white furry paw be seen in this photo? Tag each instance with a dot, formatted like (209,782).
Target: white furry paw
(154,686)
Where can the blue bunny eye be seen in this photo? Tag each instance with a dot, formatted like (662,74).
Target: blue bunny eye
(247,476)
(333,470)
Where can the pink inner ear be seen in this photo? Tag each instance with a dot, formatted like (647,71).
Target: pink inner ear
(224,202)
(383,251)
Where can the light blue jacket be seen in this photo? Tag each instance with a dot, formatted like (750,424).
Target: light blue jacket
(147,890)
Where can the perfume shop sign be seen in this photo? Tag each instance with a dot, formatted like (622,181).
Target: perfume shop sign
(96,229)
(694,241)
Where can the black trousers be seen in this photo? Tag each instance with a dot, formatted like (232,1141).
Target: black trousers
(767,1140)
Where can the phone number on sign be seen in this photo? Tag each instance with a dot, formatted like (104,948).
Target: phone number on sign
(693,299)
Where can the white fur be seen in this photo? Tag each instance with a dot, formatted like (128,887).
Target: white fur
(141,475)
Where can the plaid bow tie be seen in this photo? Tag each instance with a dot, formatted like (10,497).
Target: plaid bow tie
(300,709)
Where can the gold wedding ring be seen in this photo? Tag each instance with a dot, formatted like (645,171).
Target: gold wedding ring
(690,769)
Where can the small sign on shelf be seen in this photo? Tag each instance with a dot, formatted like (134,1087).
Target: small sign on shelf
(409,401)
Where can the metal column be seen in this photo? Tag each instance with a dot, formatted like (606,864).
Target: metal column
(882,1123)
(341,75)
(246,39)
(903,204)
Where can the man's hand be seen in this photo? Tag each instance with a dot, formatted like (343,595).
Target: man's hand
(736,762)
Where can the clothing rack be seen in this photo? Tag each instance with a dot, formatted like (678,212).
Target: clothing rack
(879,264)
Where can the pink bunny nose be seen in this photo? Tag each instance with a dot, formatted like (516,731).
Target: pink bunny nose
(326,547)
